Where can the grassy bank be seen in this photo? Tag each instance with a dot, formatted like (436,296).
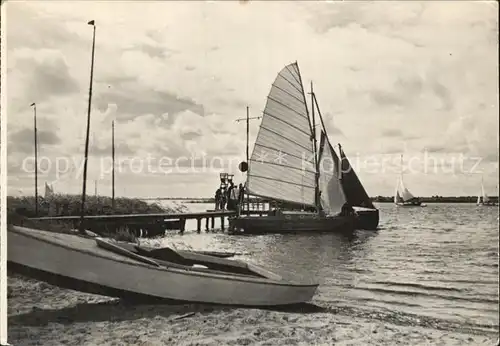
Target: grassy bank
(436,199)
(19,209)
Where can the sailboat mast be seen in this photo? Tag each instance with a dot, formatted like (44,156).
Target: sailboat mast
(316,177)
(248,133)
(319,114)
(36,158)
(312,129)
(324,129)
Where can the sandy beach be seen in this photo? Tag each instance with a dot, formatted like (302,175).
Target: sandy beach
(41,314)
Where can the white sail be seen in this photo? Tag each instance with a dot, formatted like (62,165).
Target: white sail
(49,190)
(484,196)
(397,198)
(402,193)
(282,163)
(332,194)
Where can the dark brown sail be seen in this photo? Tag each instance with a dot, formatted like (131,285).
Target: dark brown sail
(353,189)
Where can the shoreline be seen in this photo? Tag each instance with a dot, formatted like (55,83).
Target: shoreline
(41,313)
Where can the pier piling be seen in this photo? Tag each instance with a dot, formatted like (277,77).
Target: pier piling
(198,225)
(152,224)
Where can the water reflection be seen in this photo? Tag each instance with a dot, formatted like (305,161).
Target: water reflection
(438,256)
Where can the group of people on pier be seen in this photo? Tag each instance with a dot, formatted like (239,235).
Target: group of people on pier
(229,198)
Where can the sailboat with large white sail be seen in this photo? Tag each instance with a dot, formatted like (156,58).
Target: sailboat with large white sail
(483,199)
(285,167)
(402,196)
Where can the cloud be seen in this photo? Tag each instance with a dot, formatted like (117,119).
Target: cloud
(38,75)
(132,102)
(22,141)
(391,133)
(48,33)
(177,77)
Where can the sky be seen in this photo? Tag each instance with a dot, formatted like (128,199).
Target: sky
(391,78)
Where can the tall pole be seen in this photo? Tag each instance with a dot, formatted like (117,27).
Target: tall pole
(248,132)
(36,158)
(82,229)
(113,164)
(316,175)
(401,165)
(248,118)
(95,187)
(248,163)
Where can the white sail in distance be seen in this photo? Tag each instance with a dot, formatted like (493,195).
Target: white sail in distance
(483,197)
(332,194)
(281,166)
(397,197)
(402,193)
(49,190)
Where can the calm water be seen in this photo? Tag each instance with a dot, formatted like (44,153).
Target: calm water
(429,276)
(435,266)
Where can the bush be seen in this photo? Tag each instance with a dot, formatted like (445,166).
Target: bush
(19,209)
(70,205)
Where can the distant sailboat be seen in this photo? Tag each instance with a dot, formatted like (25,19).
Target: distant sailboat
(402,196)
(483,199)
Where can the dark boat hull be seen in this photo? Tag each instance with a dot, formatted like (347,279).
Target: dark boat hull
(291,223)
(367,219)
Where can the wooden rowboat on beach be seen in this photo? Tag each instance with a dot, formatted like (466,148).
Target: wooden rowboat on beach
(99,266)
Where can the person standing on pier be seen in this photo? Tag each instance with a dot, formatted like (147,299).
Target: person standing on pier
(230,200)
(223,198)
(218,199)
(241,193)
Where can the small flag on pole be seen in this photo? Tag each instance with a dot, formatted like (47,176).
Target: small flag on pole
(92,22)
(32,104)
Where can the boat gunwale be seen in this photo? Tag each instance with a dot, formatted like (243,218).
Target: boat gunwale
(186,271)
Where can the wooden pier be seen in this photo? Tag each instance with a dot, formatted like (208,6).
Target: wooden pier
(150,224)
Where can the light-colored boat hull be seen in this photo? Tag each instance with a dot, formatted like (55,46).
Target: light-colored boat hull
(487,205)
(68,260)
(408,205)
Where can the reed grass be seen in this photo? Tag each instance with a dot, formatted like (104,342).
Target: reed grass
(20,209)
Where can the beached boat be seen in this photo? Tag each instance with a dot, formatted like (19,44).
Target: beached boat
(356,195)
(402,196)
(220,254)
(98,266)
(287,168)
(483,200)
